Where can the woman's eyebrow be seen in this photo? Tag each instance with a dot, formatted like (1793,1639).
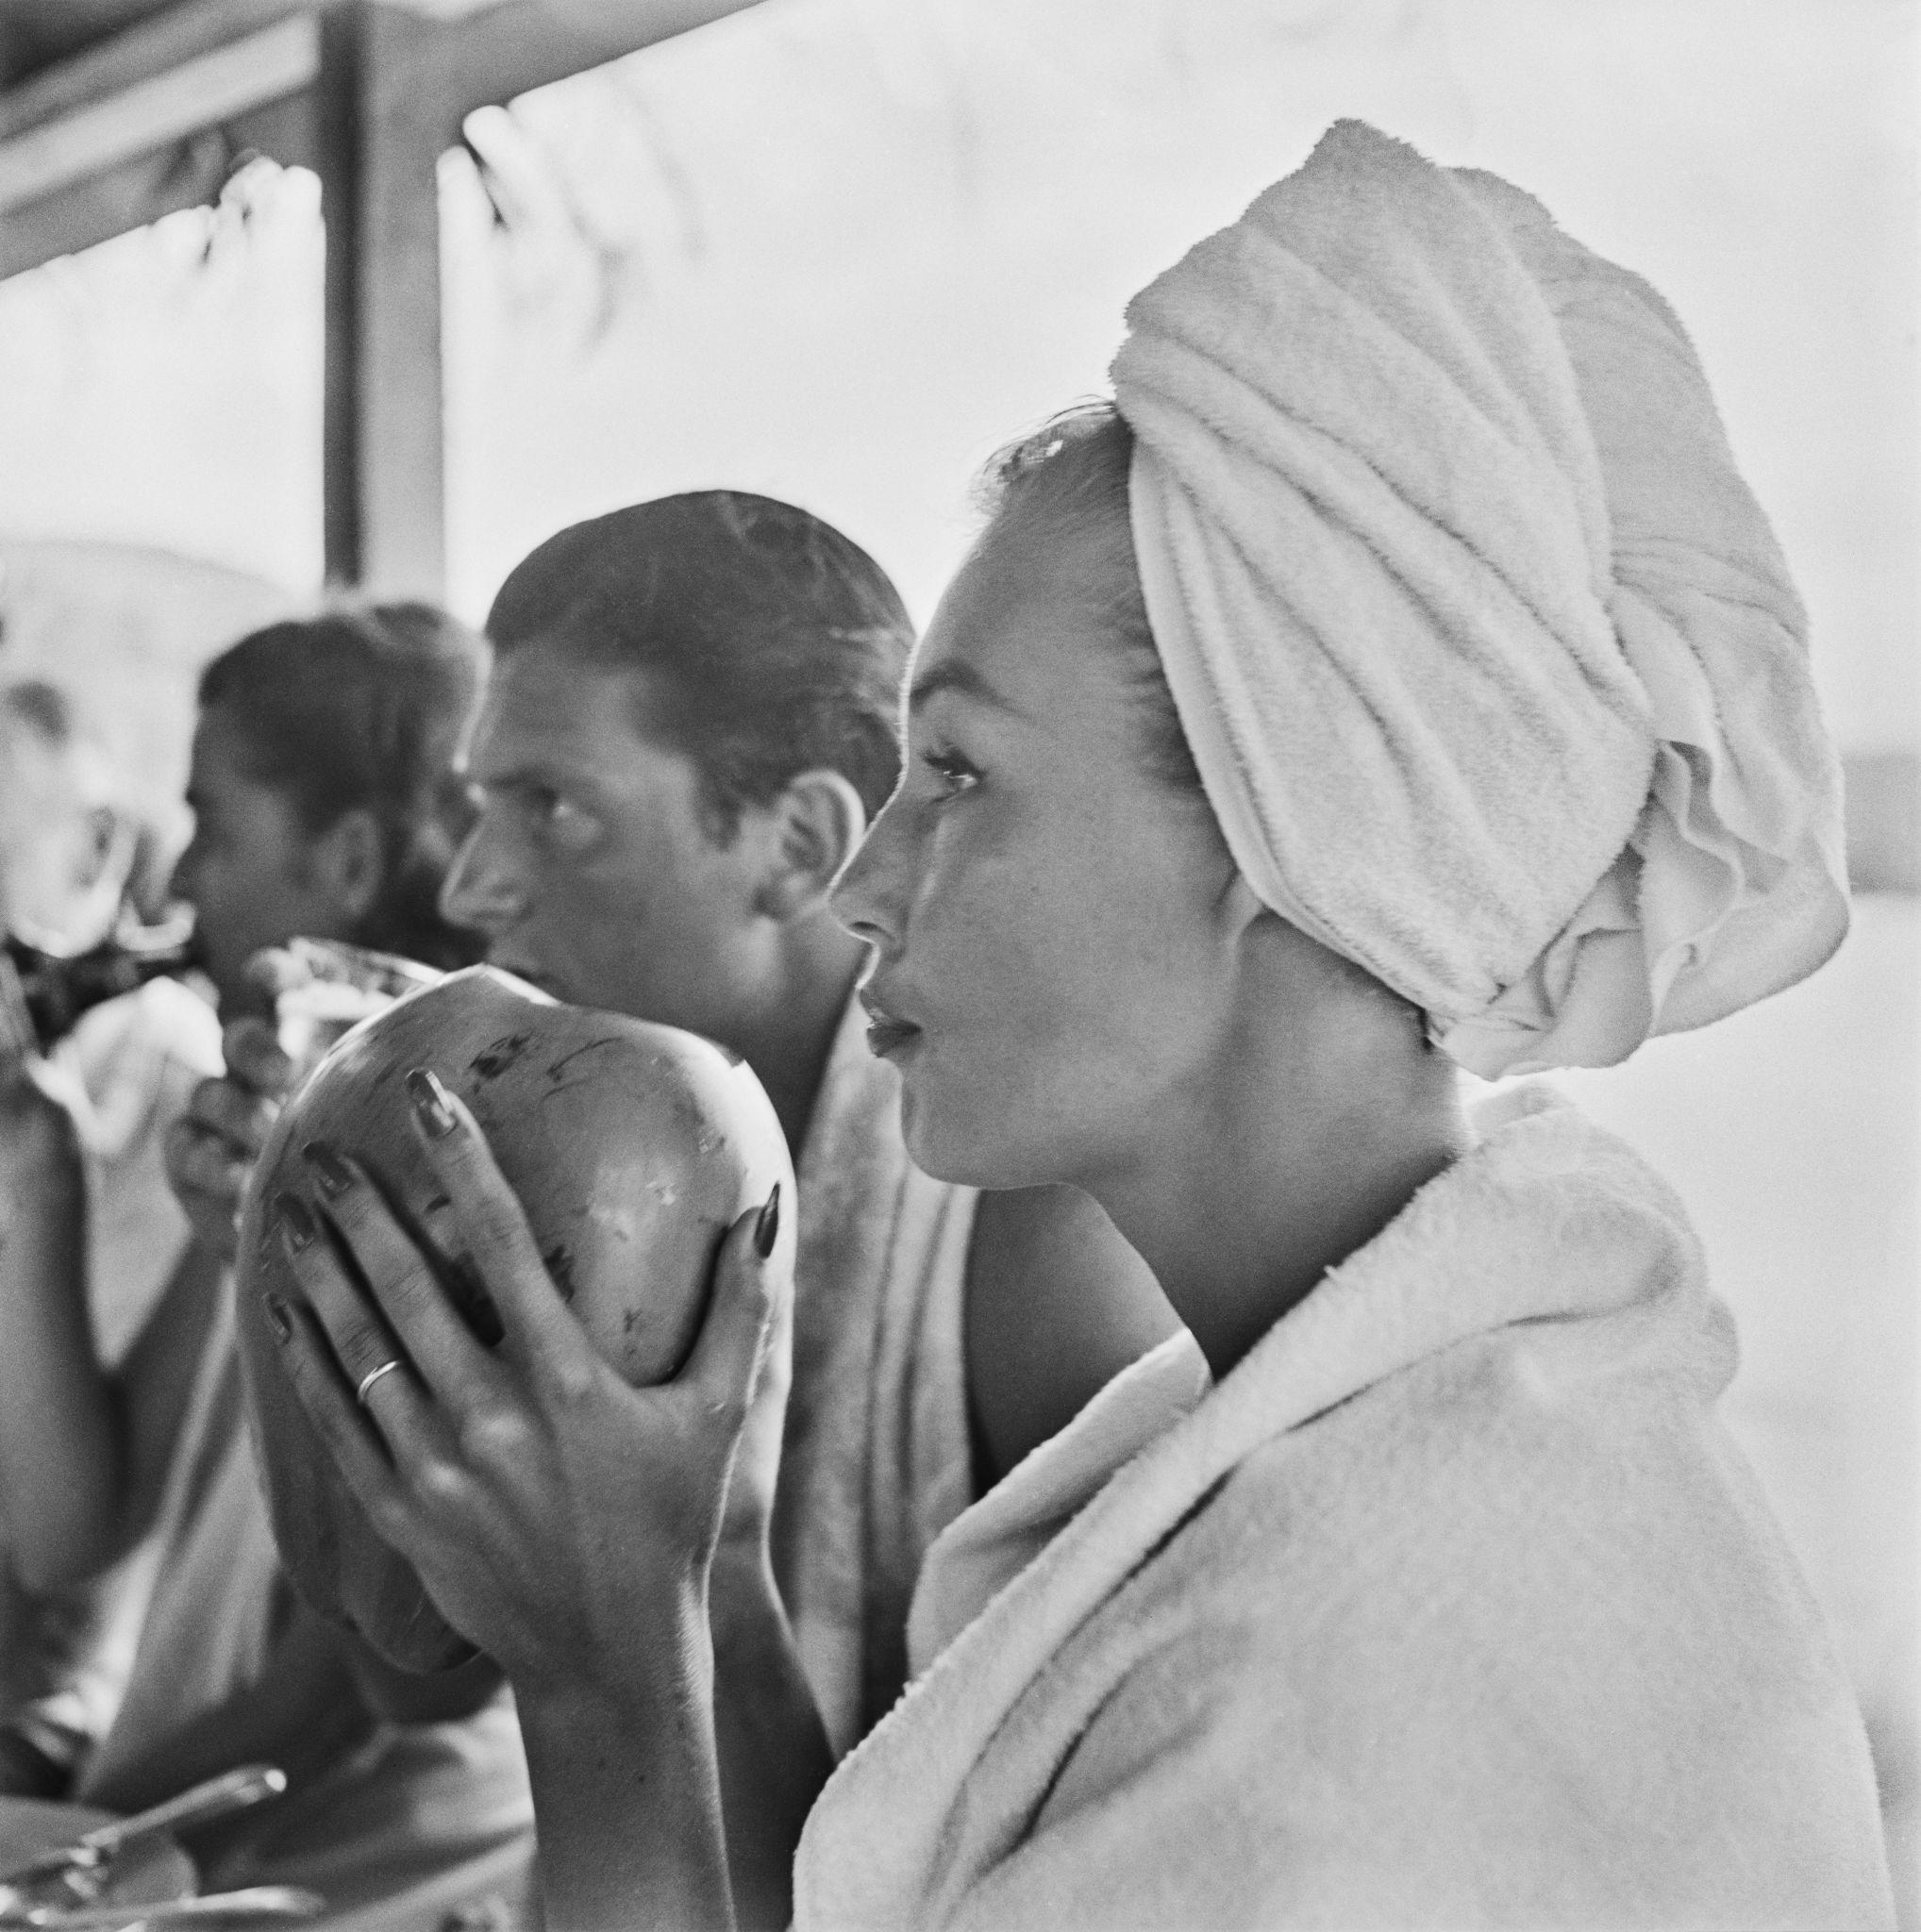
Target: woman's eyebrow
(957,675)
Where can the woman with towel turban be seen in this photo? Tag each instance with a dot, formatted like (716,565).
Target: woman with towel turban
(1397,678)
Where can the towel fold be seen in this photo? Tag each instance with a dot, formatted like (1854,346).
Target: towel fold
(1489,659)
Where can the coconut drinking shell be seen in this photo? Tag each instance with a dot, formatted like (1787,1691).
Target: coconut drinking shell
(632,1147)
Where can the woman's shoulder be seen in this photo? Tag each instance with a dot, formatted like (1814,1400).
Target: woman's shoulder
(1426,1657)
(1544,1487)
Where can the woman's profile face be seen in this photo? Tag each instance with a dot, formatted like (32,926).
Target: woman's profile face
(1048,916)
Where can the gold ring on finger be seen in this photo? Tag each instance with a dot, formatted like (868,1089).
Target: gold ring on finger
(372,1376)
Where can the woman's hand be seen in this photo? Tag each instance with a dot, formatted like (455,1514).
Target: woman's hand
(561,1521)
(212,1147)
(543,1500)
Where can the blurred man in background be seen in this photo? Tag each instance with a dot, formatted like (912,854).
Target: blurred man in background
(321,802)
(68,849)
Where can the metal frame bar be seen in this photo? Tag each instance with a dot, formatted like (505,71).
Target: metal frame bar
(201,91)
(369,93)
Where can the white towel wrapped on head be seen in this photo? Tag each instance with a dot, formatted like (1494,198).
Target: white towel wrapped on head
(1489,659)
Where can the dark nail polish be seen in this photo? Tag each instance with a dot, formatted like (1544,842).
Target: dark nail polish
(281,1316)
(767,1230)
(430,1103)
(334,1175)
(296,1223)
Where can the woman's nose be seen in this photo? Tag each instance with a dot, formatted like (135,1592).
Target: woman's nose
(483,889)
(864,898)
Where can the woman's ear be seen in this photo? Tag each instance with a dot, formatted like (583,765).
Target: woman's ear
(348,862)
(815,827)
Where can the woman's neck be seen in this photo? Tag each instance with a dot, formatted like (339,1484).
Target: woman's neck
(1246,1193)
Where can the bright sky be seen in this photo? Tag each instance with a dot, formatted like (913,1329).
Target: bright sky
(842,248)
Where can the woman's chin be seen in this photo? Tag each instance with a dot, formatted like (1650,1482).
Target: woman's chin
(965,1144)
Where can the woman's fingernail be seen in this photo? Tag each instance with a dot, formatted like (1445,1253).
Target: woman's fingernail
(767,1230)
(282,1320)
(430,1103)
(296,1223)
(334,1175)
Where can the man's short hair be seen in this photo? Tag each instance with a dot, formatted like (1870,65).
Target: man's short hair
(771,643)
(361,707)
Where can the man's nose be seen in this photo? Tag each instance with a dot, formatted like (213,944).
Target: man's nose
(484,889)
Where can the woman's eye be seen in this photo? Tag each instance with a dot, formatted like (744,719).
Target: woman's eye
(953,774)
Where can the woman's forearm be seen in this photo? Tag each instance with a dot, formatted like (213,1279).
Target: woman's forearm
(772,1746)
(626,1789)
(627,1835)
(564,1520)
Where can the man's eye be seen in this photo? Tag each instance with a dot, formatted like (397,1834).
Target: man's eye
(953,774)
(560,819)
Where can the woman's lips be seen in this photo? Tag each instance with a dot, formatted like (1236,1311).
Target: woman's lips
(886,1035)
(889,1037)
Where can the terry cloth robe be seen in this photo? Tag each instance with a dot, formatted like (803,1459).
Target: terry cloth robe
(876,1459)
(415,1806)
(1451,1606)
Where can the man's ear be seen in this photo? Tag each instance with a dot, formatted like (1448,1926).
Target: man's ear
(813,828)
(348,862)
